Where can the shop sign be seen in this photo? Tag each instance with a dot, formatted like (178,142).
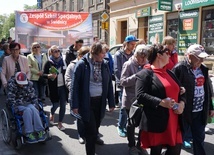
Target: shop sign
(190,4)
(188,29)
(143,12)
(165,5)
(155,29)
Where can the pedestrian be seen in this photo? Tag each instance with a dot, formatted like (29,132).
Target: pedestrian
(169,42)
(54,70)
(36,61)
(21,96)
(71,54)
(68,78)
(127,80)
(91,87)
(193,75)
(14,63)
(120,57)
(159,91)
(7,52)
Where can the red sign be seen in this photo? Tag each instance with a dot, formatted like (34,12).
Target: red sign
(52,20)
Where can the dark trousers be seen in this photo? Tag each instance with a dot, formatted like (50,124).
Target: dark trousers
(131,132)
(91,127)
(80,129)
(171,150)
(198,133)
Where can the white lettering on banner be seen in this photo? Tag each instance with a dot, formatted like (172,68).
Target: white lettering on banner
(191,2)
(54,16)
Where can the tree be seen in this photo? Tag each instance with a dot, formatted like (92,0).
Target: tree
(9,23)
(28,7)
(3,19)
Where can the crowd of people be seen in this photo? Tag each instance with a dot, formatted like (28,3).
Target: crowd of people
(176,96)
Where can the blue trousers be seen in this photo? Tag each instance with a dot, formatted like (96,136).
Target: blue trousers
(39,89)
(122,114)
(31,118)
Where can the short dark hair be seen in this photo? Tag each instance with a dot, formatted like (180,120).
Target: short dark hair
(79,41)
(9,38)
(14,44)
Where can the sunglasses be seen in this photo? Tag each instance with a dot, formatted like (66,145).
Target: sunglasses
(56,51)
(36,47)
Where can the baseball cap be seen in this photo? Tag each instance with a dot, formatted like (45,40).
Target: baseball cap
(21,78)
(197,50)
(131,38)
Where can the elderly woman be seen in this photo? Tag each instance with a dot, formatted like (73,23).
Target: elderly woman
(54,69)
(36,61)
(14,63)
(159,91)
(128,79)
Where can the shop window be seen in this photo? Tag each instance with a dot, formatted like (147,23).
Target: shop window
(172,29)
(208,31)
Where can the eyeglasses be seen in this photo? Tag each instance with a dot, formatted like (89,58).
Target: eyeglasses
(56,51)
(165,50)
(14,50)
(36,47)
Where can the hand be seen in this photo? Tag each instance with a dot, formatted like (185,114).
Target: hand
(211,113)
(111,109)
(167,103)
(75,111)
(40,73)
(52,76)
(180,108)
(182,90)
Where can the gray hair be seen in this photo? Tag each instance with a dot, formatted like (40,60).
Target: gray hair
(141,50)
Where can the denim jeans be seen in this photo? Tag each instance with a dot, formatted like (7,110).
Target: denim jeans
(31,118)
(122,114)
(61,103)
(39,89)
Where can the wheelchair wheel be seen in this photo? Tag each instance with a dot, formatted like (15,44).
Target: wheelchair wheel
(6,130)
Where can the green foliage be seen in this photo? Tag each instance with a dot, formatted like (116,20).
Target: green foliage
(8,24)
(28,7)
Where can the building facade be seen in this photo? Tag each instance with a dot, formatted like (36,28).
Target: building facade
(95,7)
(188,21)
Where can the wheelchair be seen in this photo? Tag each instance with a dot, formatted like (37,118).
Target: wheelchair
(13,126)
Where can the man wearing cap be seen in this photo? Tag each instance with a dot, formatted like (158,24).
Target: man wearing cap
(193,75)
(120,57)
(21,95)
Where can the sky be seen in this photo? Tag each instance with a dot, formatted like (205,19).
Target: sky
(9,6)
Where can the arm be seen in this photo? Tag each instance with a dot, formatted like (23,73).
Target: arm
(3,73)
(117,66)
(30,63)
(68,75)
(127,78)
(27,69)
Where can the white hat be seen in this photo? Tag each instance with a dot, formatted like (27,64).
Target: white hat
(197,50)
(21,78)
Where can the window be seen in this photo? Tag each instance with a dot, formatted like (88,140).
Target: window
(80,4)
(91,2)
(98,1)
(72,5)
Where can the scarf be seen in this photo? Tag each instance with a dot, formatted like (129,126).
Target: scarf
(58,62)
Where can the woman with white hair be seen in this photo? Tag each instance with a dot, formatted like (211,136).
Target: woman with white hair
(128,78)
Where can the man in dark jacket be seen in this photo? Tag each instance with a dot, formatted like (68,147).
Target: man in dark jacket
(91,86)
(71,54)
(193,75)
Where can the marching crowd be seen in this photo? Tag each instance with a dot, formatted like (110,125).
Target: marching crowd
(175,97)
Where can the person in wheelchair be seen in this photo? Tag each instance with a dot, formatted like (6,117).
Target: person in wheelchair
(21,95)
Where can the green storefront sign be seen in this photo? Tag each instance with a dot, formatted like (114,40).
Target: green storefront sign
(155,29)
(143,12)
(188,29)
(165,5)
(190,4)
